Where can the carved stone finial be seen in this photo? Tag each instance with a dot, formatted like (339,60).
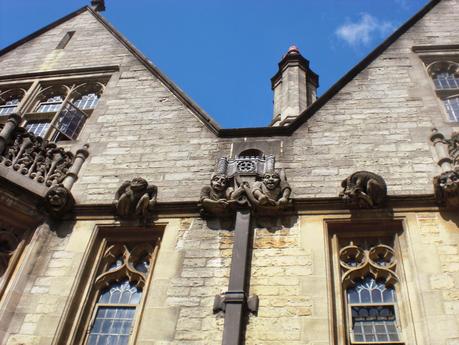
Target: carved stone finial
(364,189)
(135,198)
(58,201)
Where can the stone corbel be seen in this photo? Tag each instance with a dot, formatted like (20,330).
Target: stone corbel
(59,199)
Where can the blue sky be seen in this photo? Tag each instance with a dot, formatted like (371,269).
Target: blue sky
(222,53)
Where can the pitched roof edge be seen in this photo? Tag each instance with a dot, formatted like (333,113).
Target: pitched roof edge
(359,67)
(335,88)
(200,113)
(42,30)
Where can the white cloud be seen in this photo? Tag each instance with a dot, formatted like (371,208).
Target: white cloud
(363,30)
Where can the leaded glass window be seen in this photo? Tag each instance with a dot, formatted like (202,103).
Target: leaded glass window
(39,128)
(368,277)
(452,107)
(70,121)
(446,81)
(9,106)
(121,279)
(372,307)
(114,314)
(88,101)
(52,104)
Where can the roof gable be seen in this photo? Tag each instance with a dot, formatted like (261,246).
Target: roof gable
(206,119)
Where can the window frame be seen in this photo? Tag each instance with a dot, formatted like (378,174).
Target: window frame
(34,87)
(80,312)
(339,309)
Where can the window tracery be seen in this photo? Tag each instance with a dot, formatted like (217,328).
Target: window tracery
(10,99)
(118,287)
(368,278)
(53,110)
(445,76)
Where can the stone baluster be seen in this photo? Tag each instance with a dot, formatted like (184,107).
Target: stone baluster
(8,129)
(441,148)
(72,174)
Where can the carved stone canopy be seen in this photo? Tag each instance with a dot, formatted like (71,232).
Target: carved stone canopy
(135,199)
(245,182)
(364,189)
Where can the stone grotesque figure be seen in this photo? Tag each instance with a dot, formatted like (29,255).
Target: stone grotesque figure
(219,196)
(272,191)
(135,198)
(446,188)
(364,189)
(58,200)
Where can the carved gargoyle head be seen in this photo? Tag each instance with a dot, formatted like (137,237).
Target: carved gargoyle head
(58,200)
(446,188)
(364,189)
(219,182)
(449,182)
(139,184)
(271,180)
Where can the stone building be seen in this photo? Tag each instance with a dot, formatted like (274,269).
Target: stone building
(128,216)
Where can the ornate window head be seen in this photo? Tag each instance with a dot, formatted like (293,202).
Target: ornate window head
(119,288)
(108,297)
(368,278)
(445,74)
(368,288)
(60,111)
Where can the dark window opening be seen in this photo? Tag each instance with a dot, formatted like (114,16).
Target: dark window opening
(65,40)
(251,153)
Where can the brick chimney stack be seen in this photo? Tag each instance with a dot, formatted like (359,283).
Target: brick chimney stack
(294,86)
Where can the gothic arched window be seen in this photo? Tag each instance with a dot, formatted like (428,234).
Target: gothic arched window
(368,278)
(445,75)
(9,100)
(118,293)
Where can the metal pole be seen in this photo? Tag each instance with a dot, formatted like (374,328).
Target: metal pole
(236,297)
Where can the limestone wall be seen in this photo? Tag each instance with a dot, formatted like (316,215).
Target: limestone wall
(380,121)
(290,273)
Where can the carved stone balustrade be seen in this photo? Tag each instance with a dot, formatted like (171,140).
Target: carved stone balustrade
(39,166)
